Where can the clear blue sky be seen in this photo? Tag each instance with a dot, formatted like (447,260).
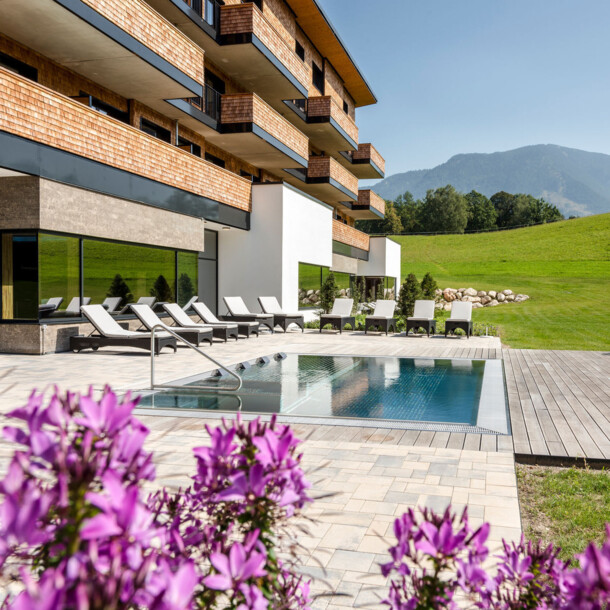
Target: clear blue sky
(459,76)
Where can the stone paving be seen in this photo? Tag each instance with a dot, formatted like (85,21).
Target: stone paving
(370,482)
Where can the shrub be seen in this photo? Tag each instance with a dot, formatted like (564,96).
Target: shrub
(429,287)
(161,290)
(410,291)
(328,292)
(186,290)
(119,288)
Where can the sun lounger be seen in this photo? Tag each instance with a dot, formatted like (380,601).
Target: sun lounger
(109,333)
(382,318)
(238,312)
(340,315)
(244,328)
(190,302)
(150,319)
(111,304)
(461,317)
(73,308)
(423,317)
(150,301)
(52,304)
(181,318)
(282,319)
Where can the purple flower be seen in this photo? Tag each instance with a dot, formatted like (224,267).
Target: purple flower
(235,568)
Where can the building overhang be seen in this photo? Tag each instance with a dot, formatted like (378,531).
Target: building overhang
(331,191)
(74,35)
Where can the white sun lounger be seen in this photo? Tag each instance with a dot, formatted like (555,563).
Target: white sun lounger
(239,312)
(270,305)
(243,328)
(340,315)
(182,319)
(461,317)
(423,317)
(383,317)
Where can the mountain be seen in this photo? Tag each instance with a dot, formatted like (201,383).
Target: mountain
(576,181)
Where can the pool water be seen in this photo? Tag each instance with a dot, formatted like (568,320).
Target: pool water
(452,391)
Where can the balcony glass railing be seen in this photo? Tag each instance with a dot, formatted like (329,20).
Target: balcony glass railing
(208,10)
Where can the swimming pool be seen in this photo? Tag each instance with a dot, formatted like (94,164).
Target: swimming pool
(432,393)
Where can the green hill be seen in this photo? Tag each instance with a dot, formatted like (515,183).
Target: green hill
(564,267)
(576,181)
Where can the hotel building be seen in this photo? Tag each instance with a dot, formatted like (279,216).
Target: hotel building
(178,147)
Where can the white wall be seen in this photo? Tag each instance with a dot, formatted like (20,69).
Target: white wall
(384,259)
(287,227)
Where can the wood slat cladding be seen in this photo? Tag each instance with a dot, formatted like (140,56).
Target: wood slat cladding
(248,19)
(139,20)
(350,236)
(325,106)
(34,112)
(368,152)
(249,108)
(327,167)
(371,199)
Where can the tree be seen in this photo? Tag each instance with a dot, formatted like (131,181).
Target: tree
(328,292)
(408,212)
(119,288)
(186,290)
(379,291)
(392,224)
(481,212)
(410,291)
(444,210)
(429,287)
(504,204)
(161,290)
(357,292)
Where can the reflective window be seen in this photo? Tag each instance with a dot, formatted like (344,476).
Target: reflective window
(19,277)
(127,271)
(310,282)
(187,276)
(59,275)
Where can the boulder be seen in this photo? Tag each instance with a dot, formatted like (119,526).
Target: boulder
(461,289)
(485,300)
(310,292)
(447,307)
(510,297)
(465,299)
(473,299)
(481,293)
(470,292)
(500,297)
(459,295)
(492,303)
(438,305)
(342,292)
(449,295)
(476,305)
(507,292)
(492,294)
(438,292)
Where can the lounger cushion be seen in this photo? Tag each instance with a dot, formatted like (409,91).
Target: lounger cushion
(342,307)
(424,310)
(108,327)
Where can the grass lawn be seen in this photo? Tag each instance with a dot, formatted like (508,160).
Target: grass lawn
(564,267)
(568,507)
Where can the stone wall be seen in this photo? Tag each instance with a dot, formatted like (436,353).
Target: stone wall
(478,298)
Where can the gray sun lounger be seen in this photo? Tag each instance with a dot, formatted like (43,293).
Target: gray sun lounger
(461,317)
(239,312)
(109,333)
(182,319)
(423,317)
(382,318)
(340,315)
(111,304)
(150,301)
(150,319)
(284,320)
(52,304)
(189,304)
(73,308)
(243,328)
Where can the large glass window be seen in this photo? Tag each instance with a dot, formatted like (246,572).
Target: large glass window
(127,271)
(19,277)
(187,276)
(207,288)
(59,274)
(344,284)
(310,282)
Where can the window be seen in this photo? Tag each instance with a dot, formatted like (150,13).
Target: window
(207,287)
(258,3)
(215,82)
(215,160)
(251,177)
(58,271)
(189,146)
(102,107)
(317,77)
(345,107)
(311,278)
(300,49)
(127,271)
(152,129)
(14,65)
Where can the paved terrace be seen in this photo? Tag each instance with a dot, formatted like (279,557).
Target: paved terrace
(559,406)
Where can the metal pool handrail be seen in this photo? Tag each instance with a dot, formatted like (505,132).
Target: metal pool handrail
(153,385)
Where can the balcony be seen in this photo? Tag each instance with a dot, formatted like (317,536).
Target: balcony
(370,206)
(36,113)
(253,131)
(348,241)
(364,163)
(331,182)
(123,45)
(324,123)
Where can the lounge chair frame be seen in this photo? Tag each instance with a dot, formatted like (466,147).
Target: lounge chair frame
(384,324)
(452,325)
(94,342)
(339,320)
(428,326)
